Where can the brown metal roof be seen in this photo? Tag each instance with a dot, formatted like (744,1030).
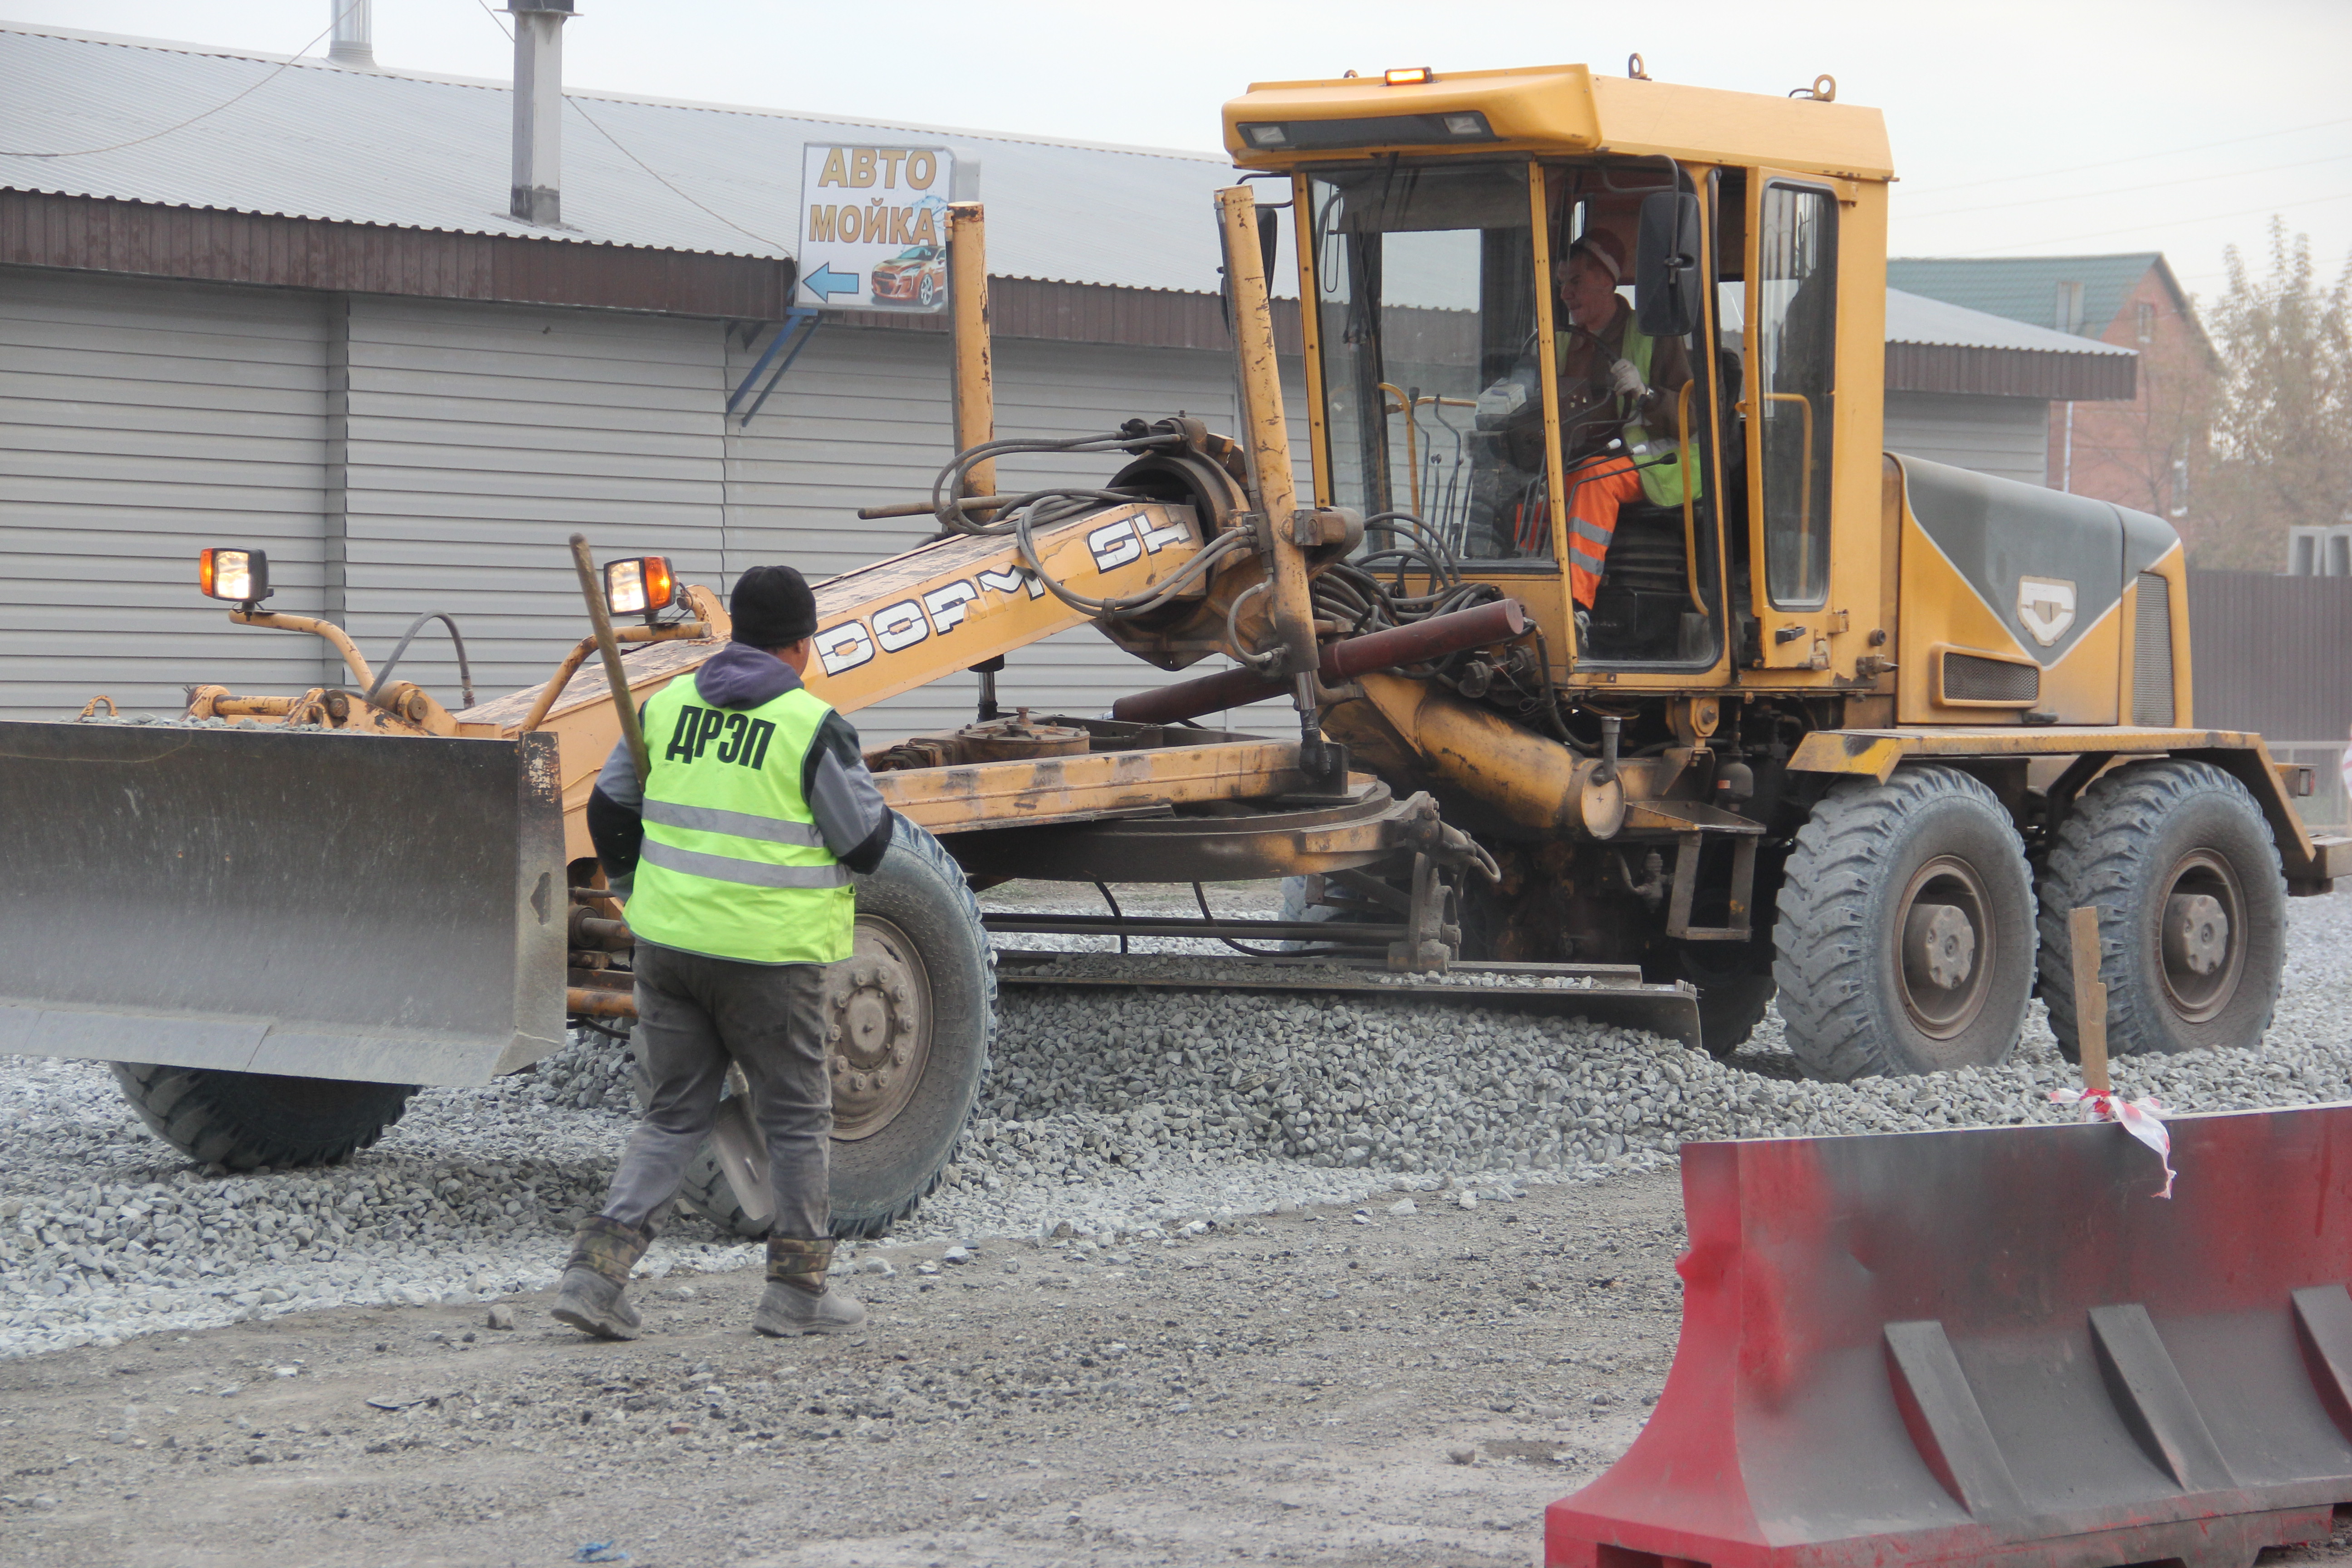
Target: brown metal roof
(98,234)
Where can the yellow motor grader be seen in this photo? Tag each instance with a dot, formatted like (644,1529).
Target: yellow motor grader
(1852,727)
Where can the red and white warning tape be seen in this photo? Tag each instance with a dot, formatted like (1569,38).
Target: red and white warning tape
(2139,1118)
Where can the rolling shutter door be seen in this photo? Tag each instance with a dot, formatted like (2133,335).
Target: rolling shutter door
(481,436)
(144,420)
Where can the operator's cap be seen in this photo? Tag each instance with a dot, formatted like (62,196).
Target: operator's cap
(772,607)
(1605,248)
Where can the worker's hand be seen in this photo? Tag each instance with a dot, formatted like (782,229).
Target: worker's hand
(1627,381)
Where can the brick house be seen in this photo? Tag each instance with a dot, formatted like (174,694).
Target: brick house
(2143,453)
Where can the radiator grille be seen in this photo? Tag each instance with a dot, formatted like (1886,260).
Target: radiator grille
(2152,652)
(1968,679)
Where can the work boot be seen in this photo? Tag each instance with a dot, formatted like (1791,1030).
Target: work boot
(590,1299)
(798,1301)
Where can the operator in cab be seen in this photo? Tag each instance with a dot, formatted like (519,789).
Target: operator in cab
(734,855)
(1630,381)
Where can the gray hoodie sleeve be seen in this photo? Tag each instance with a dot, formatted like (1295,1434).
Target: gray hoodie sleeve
(843,797)
(619,780)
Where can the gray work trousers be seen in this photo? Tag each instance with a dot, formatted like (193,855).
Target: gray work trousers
(694,1014)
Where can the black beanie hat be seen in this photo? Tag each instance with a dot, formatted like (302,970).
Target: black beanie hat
(772,607)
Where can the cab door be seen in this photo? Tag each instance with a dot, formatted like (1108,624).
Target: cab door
(1790,400)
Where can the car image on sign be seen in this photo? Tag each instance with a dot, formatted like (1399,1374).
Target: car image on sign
(919,273)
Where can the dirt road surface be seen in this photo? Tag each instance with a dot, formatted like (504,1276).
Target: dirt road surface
(1335,1386)
(1409,1390)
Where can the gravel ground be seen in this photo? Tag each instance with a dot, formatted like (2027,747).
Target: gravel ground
(1375,1389)
(1127,1117)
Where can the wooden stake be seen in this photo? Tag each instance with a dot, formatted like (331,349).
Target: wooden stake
(2090,998)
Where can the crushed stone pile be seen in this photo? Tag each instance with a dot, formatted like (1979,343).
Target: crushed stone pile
(1127,1113)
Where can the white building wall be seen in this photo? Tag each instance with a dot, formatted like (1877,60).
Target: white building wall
(139,422)
(399,456)
(480,437)
(2007,437)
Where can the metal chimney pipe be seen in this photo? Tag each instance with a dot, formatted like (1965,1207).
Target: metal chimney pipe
(354,42)
(539,110)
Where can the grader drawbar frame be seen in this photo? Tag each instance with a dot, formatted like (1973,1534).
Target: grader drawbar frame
(312,905)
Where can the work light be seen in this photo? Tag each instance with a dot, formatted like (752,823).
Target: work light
(240,575)
(639,585)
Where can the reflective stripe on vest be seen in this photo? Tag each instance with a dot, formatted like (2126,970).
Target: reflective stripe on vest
(732,864)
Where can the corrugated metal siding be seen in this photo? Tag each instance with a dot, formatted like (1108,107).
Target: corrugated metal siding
(398,456)
(2007,437)
(2010,373)
(139,422)
(481,438)
(2272,654)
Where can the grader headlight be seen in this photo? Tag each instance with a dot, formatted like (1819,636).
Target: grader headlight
(639,585)
(241,576)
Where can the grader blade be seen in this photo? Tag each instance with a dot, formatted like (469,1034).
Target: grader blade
(302,904)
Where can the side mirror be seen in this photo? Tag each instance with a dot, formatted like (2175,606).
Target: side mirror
(1667,282)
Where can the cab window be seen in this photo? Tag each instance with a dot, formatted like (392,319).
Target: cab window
(1425,295)
(1794,383)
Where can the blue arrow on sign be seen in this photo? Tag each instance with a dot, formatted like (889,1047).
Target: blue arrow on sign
(824,282)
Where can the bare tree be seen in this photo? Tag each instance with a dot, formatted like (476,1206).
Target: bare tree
(2282,417)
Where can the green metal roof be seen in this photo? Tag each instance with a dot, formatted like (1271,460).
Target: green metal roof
(2025,287)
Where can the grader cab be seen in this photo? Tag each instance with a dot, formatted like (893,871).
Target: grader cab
(1789,713)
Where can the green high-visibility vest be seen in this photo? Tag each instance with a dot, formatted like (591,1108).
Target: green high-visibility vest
(732,864)
(1663,478)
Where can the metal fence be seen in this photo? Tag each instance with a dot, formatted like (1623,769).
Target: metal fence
(2274,655)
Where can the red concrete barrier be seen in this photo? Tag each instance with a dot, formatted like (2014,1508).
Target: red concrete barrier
(1996,1346)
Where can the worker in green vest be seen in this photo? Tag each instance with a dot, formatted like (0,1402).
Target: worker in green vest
(1643,375)
(734,855)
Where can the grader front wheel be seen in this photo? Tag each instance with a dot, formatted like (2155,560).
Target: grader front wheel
(911,1017)
(1906,935)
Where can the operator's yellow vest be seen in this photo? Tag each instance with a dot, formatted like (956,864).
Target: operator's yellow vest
(733,865)
(1663,478)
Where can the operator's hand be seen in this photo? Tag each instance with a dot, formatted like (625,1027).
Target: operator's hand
(1627,381)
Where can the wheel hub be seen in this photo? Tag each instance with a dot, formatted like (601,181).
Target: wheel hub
(878,1029)
(1939,946)
(2202,940)
(1944,920)
(2196,933)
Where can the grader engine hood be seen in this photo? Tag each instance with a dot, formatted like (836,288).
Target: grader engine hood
(2022,603)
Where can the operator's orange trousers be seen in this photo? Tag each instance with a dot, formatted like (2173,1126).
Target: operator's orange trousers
(1596,488)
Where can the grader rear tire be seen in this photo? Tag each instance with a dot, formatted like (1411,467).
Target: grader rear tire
(914,1017)
(244,1119)
(2178,860)
(1906,933)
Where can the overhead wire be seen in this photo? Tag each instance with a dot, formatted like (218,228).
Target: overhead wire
(2142,227)
(621,147)
(2135,158)
(206,114)
(2124,190)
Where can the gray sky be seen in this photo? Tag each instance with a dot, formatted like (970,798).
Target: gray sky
(2059,127)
